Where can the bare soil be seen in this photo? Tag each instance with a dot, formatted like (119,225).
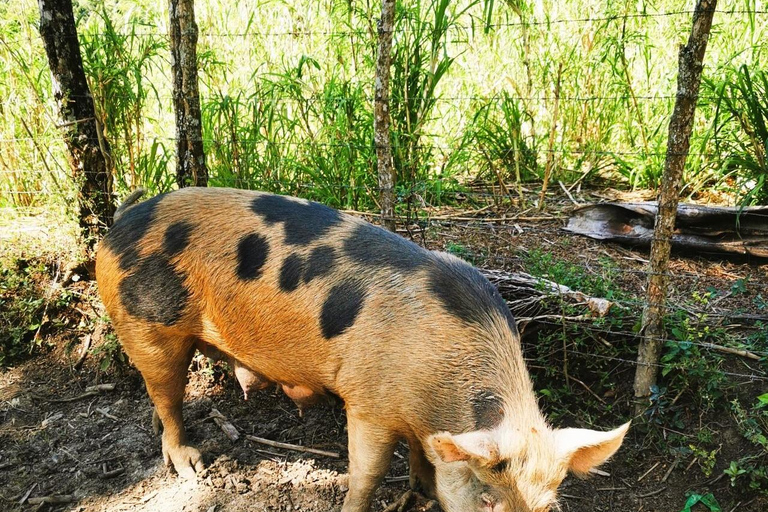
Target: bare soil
(101,454)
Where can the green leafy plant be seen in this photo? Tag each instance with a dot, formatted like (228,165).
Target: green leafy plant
(741,130)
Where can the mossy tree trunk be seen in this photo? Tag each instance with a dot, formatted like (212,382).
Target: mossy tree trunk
(381,119)
(88,150)
(690,59)
(190,157)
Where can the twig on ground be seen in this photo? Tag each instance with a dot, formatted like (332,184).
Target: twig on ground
(294,447)
(669,471)
(395,479)
(110,474)
(26,494)
(60,499)
(571,377)
(89,391)
(649,471)
(83,351)
(401,503)
(652,493)
(734,351)
(105,413)
(599,472)
(568,193)
(225,425)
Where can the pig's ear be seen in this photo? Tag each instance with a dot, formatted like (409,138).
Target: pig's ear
(584,449)
(479,447)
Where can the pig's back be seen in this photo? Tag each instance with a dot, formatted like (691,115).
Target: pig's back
(295,290)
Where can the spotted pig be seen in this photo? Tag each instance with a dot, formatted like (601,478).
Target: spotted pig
(418,344)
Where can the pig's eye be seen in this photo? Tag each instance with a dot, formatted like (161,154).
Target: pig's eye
(500,466)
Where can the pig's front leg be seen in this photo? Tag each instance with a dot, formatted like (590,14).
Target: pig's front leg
(370,453)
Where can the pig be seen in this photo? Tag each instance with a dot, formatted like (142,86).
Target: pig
(418,344)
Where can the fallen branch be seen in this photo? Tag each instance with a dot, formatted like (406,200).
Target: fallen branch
(652,493)
(527,296)
(225,425)
(89,391)
(670,470)
(734,351)
(401,503)
(294,447)
(60,499)
(649,471)
(26,494)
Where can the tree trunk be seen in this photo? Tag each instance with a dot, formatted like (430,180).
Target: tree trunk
(88,151)
(381,119)
(190,157)
(690,61)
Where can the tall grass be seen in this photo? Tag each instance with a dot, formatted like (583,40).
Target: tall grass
(286,90)
(740,131)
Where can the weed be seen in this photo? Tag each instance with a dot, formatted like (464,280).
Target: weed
(753,426)
(22,308)
(741,129)
(109,353)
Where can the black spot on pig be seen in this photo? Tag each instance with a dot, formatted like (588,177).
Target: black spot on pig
(378,248)
(290,273)
(154,291)
(320,262)
(124,236)
(176,238)
(303,222)
(488,409)
(252,251)
(341,308)
(466,293)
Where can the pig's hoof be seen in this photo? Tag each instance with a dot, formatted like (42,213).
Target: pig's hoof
(186,460)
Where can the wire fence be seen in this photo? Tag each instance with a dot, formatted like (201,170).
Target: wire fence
(716,312)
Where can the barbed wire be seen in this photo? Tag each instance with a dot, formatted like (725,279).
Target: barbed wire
(456,26)
(443,147)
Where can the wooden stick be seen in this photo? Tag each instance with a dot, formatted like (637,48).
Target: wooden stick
(669,471)
(294,447)
(652,493)
(89,391)
(26,494)
(649,471)
(568,193)
(224,424)
(734,351)
(400,504)
(52,500)
(394,479)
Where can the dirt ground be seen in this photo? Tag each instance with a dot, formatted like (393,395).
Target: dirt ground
(99,453)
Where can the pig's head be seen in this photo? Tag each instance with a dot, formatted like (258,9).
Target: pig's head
(509,470)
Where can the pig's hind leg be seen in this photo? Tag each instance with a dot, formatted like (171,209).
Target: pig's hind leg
(422,472)
(163,362)
(370,453)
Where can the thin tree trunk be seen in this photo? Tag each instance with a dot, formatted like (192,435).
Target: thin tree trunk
(190,157)
(88,151)
(381,119)
(690,61)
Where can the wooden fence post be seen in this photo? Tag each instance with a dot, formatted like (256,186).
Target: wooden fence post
(88,150)
(690,60)
(381,120)
(190,157)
